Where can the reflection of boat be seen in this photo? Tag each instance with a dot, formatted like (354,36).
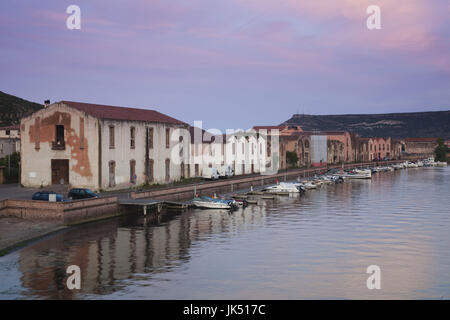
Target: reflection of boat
(210,203)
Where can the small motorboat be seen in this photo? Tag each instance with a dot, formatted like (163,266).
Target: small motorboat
(358,174)
(241,202)
(285,187)
(211,203)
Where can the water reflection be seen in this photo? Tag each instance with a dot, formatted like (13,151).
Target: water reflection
(316,246)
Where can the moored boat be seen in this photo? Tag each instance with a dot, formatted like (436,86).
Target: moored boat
(210,203)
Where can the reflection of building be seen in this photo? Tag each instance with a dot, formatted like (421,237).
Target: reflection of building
(9,140)
(110,251)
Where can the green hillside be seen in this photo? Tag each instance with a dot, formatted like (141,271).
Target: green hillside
(12,109)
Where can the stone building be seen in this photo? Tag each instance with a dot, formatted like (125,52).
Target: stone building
(9,140)
(419,147)
(379,148)
(101,147)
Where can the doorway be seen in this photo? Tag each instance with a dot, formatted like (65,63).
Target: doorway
(112,174)
(60,171)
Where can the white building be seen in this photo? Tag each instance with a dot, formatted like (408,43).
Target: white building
(245,152)
(102,147)
(9,140)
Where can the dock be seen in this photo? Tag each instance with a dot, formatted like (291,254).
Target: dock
(144,203)
(158,204)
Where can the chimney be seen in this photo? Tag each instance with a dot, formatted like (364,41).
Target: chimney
(46,103)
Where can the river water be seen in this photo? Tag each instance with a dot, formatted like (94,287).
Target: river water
(313,247)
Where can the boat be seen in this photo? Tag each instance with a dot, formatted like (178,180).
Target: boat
(358,174)
(210,203)
(308,185)
(284,187)
(441,164)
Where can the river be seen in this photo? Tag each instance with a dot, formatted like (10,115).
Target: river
(313,247)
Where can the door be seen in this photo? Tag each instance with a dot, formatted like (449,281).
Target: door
(112,174)
(60,171)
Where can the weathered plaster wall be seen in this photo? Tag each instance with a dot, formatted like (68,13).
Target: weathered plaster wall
(38,133)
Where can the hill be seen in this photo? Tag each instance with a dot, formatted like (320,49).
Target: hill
(12,109)
(396,125)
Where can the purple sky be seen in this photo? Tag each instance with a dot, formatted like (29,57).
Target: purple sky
(233,63)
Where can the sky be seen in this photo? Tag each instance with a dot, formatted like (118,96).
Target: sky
(230,63)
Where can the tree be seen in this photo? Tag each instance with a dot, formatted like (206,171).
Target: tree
(441,151)
(11,163)
(291,158)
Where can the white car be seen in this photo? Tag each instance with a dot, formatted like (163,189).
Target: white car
(225,171)
(210,173)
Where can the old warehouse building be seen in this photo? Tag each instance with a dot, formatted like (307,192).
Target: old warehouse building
(101,147)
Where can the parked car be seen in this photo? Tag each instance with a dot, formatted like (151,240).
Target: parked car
(45,196)
(225,171)
(81,193)
(210,173)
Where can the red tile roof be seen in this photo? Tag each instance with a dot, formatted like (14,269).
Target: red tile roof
(122,113)
(16,127)
(421,139)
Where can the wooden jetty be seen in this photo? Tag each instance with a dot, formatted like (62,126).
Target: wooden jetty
(143,203)
(158,204)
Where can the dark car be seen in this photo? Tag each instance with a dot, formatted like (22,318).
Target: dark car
(79,193)
(44,196)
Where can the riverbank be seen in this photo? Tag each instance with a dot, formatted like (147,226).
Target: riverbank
(21,223)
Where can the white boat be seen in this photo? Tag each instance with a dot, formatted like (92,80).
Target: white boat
(441,164)
(210,203)
(308,185)
(358,174)
(284,187)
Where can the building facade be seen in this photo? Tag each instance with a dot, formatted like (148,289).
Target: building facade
(101,147)
(9,140)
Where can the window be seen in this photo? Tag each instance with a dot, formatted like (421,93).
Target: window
(150,170)
(243,148)
(132,137)
(167,138)
(59,143)
(182,170)
(150,138)
(167,169)
(233,147)
(133,171)
(111,137)
(81,133)
(112,173)
(8,132)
